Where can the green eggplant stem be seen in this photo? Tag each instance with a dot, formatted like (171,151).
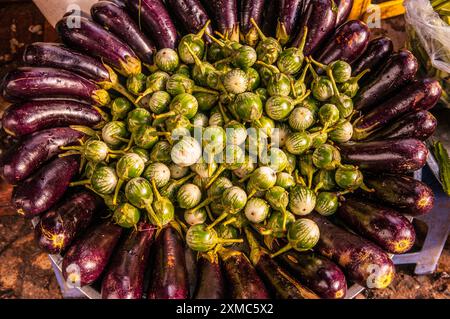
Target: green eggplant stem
(69,153)
(217,41)
(122,90)
(272,68)
(80,183)
(255,248)
(229,221)
(84,129)
(116,191)
(215,176)
(164,115)
(302,44)
(152,213)
(155,190)
(360,75)
(218,220)
(203,30)
(281,251)
(260,33)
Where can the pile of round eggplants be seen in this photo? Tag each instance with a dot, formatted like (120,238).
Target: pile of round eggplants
(300,183)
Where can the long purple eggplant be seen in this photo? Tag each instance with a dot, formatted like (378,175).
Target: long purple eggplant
(400,69)
(344,7)
(33,116)
(117,21)
(169,278)
(211,283)
(88,257)
(420,125)
(288,20)
(419,95)
(155,17)
(46,187)
(29,83)
(120,3)
(190,13)
(347,44)
(320,20)
(226,16)
(35,150)
(384,226)
(318,273)
(392,156)
(270,17)
(362,261)
(124,278)
(58,227)
(408,195)
(250,9)
(93,40)
(377,52)
(190,257)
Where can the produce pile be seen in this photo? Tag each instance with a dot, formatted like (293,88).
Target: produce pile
(224,159)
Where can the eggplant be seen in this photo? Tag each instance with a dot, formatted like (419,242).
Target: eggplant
(58,227)
(347,44)
(250,9)
(169,276)
(242,277)
(155,17)
(288,20)
(92,39)
(377,52)
(120,3)
(29,83)
(35,150)
(211,283)
(320,20)
(191,13)
(383,225)
(391,156)
(420,125)
(116,20)
(408,195)
(124,278)
(419,95)
(30,117)
(344,7)
(88,257)
(226,17)
(270,17)
(190,257)
(46,187)
(362,261)
(399,69)
(316,272)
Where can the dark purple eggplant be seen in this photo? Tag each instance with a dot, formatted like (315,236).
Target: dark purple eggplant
(120,3)
(250,9)
(169,278)
(29,83)
(33,116)
(384,226)
(320,20)
(377,52)
(124,278)
(344,7)
(270,17)
(399,69)
(88,257)
(288,20)
(362,261)
(226,17)
(347,44)
(46,187)
(419,95)
(318,273)
(93,40)
(420,125)
(58,227)
(191,13)
(211,283)
(242,278)
(155,17)
(36,149)
(190,257)
(408,195)
(116,20)
(391,156)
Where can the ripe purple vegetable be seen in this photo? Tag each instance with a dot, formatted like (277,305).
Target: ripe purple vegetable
(191,13)
(344,7)
(211,283)
(288,17)
(250,9)
(226,16)
(378,51)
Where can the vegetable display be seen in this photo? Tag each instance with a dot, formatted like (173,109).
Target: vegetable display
(216,153)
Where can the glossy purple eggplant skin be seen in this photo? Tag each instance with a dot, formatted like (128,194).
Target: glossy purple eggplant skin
(156,19)
(88,257)
(116,20)
(347,44)
(90,38)
(169,278)
(320,19)
(391,156)
(419,95)
(289,16)
(211,284)
(408,195)
(343,11)
(270,17)
(120,3)
(382,225)
(58,227)
(242,278)
(34,83)
(190,257)
(420,125)
(226,16)
(318,273)
(190,13)
(377,52)
(251,9)
(399,69)
(46,187)
(362,261)
(36,149)
(124,278)
(30,117)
